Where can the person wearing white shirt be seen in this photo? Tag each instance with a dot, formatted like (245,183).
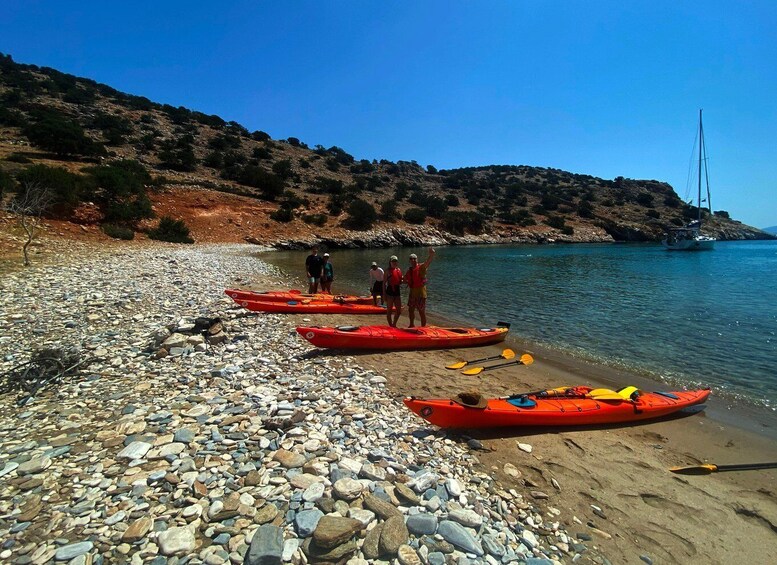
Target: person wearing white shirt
(376,283)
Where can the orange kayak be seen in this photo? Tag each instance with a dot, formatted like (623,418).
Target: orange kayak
(573,406)
(388,338)
(294,307)
(239,295)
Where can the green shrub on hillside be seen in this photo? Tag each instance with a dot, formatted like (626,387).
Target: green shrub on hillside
(114,128)
(436,206)
(645,199)
(67,189)
(174,231)
(361,215)
(7,183)
(127,211)
(282,168)
(282,214)
(315,219)
(118,232)
(585,210)
(271,186)
(452,200)
(62,136)
(415,215)
(18,158)
(388,210)
(121,178)
(178,154)
(557,222)
(457,222)
(12,118)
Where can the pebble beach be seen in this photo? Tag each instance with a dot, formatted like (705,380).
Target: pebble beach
(244,444)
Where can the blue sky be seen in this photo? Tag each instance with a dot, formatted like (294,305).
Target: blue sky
(599,87)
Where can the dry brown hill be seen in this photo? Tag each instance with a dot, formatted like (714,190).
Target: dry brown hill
(133,158)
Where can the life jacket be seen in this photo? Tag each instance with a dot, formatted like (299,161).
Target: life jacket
(394,276)
(414,278)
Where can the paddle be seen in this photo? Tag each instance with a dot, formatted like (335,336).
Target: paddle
(708,468)
(525,359)
(506,354)
(605,394)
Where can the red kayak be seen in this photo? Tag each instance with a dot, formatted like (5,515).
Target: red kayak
(386,337)
(239,295)
(566,406)
(294,307)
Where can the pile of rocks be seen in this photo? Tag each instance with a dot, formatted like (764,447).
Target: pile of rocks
(249,450)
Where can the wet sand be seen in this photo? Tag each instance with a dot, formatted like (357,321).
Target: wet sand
(623,470)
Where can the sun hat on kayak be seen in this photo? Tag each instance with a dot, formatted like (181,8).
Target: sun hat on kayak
(374,264)
(413,256)
(471,399)
(326,254)
(393,258)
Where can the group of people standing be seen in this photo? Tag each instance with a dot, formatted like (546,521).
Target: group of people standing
(385,284)
(319,270)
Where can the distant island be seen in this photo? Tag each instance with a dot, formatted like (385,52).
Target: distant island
(772,229)
(128,165)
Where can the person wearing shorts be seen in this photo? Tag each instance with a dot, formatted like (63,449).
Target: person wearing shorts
(376,283)
(415,277)
(392,284)
(313,267)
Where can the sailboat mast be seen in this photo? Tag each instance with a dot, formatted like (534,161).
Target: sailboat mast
(701,145)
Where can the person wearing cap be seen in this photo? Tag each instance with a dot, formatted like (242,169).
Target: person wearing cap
(327,275)
(313,265)
(392,281)
(415,277)
(376,283)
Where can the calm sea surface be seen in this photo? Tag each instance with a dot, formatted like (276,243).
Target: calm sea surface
(703,318)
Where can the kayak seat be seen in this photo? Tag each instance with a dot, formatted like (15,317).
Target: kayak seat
(347,328)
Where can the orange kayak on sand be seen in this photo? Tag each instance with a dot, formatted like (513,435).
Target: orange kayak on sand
(294,307)
(566,406)
(388,338)
(237,295)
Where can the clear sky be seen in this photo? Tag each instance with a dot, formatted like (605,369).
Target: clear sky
(607,88)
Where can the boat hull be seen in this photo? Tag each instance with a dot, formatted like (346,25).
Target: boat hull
(554,411)
(294,307)
(705,244)
(388,338)
(239,295)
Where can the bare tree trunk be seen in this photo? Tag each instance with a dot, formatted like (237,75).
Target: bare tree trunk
(29,228)
(28,205)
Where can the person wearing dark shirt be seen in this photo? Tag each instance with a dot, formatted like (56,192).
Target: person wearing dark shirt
(327,275)
(313,267)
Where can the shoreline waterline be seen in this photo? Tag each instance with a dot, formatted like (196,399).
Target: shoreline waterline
(723,406)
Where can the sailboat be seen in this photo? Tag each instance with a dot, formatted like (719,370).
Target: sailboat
(690,238)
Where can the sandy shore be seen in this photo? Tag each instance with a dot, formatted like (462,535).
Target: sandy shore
(623,470)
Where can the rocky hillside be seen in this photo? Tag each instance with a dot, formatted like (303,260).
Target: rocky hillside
(121,160)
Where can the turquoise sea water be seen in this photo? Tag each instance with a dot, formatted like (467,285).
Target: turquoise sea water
(688,318)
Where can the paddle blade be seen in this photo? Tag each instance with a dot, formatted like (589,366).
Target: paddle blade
(508,354)
(695,470)
(605,394)
(526,359)
(473,371)
(457,365)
